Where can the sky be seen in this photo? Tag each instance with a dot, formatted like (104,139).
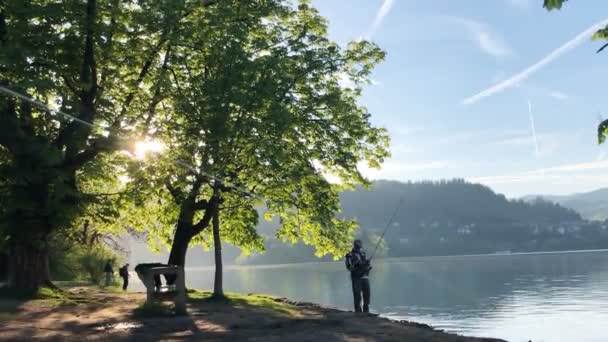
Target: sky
(497,92)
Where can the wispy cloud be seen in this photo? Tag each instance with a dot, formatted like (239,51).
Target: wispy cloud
(535,90)
(558,95)
(400,129)
(520,4)
(400,169)
(526,73)
(484,37)
(542,144)
(556,172)
(384,10)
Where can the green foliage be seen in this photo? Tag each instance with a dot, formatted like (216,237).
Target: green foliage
(553,4)
(601,34)
(370,240)
(82,263)
(260,105)
(93,260)
(602,131)
(97,61)
(250,92)
(43,293)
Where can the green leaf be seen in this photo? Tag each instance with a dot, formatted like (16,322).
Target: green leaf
(553,4)
(602,132)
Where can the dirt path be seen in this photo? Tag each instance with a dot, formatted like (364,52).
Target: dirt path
(107,316)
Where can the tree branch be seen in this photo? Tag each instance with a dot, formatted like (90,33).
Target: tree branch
(173,191)
(156,98)
(11,135)
(204,222)
(97,146)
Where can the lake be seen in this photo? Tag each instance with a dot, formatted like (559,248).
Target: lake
(549,297)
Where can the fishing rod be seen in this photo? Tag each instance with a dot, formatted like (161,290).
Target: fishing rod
(388,224)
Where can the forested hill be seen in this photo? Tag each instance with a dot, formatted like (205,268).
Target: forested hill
(455,201)
(453,217)
(591,205)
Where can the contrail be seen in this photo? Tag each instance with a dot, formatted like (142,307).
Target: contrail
(533,129)
(384,10)
(523,75)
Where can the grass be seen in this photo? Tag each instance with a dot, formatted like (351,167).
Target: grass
(154,309)
(11,302)
(43,293)
(251,301)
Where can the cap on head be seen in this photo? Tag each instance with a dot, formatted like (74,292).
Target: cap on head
(357,244)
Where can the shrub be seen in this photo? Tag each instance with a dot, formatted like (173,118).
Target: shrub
(93,261)
(82,263)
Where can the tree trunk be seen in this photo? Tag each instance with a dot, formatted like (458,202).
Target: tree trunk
(218,286)
(28,268)
(179,247)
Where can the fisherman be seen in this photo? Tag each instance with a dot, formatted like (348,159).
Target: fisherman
(359,267)
(123,272)
(109,272)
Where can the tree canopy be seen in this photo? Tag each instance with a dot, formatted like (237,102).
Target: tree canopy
(261,117)
(246,97)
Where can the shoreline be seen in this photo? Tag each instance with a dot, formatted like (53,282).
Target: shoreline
(91,313)
(396,259)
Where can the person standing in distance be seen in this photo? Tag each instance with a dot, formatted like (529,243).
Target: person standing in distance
(109,272)
(123,272)
(359,267)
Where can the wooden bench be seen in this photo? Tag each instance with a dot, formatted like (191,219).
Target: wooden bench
(177,291)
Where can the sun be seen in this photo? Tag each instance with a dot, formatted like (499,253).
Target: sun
(147,146)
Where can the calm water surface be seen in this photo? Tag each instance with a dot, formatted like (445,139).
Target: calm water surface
(539,297)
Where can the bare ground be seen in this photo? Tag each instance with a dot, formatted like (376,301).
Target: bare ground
(92,314)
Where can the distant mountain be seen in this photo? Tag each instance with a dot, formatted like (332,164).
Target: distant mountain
(591,205)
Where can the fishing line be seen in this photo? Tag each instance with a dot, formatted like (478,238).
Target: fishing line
(388,225)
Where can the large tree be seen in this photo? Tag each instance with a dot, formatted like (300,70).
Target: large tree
(100,61)
(261,118)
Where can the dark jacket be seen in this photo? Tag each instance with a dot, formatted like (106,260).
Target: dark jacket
(123,272)
(358,264)
(108,268)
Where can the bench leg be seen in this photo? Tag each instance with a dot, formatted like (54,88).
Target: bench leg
(149,279)
(180,295)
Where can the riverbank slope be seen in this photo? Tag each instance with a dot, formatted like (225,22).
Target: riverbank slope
(88,313)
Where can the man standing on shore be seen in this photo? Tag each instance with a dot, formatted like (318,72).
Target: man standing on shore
(359,267)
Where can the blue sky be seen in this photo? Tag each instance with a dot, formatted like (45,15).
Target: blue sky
(455,100)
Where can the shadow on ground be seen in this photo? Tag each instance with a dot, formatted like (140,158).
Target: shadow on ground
(93,314)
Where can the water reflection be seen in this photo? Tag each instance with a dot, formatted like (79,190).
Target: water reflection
(546,297)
